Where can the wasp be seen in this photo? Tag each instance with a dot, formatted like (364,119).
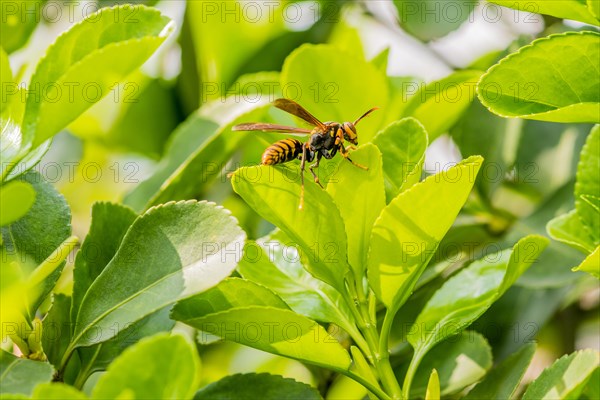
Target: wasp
(326,140)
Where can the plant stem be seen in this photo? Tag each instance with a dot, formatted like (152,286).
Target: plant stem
(368,326)
(372,388)
(412,369)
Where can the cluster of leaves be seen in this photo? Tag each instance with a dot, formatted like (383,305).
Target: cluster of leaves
(360,285)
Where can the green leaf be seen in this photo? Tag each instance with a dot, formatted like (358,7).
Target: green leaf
(404,237)
(16,198)
(433,387)
(274,330)
(562,88)
(439,105)
(503,380)
(566,378)
(567,9)
(591,264)
(103,49)
(594,8)
(108,226)
(41,231)
(360,197)
(18,22)
(184,141)
(206,162)
(588,184)
(172,251)
(318,229)
(6,77)
(20,375)
(402,145)
(567,228)
(466,296)
(257,386)
(331,90)
(459,361)
(275,263)
(423,20)
(56,328)
(57,391)
(161,366)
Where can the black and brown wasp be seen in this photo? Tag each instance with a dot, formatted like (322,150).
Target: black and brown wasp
(326,140)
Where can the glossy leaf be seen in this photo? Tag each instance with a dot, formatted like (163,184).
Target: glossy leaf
(274,330)
(255,386)
(41,231)
(591,264)
(275,263)
(459,361)
(567,9)
(567,228)
(503,380)
(57,391)
(402,145)
(20,375)
(104,48)
(161,366)
(439,105)
(404,237)
(16,198)
(318,229)
(56,328)
(172,251)
(109,224)
(184,141)
(588,184)
(464,297)
(562,88)
(566,378)
(333,92)
(360,197)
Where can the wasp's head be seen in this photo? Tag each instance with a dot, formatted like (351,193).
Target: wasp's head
(350,133)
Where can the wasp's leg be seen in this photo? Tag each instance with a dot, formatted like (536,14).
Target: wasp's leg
(345,154)
(302,166)
(316,165)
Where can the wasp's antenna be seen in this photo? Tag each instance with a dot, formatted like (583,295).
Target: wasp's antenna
(365,114)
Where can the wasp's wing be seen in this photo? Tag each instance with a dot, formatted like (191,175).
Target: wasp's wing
(265,127)
(296,109)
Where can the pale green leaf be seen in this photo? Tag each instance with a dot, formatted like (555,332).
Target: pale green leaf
(459,361)
(552,79)
(566,378)
(360,197)
(440,104)
(275,263)
(567,228)
(402,145)
(257,386)
(172,251)
(591,264)
(404,237)
(318,229)
(587,185)
(162,366)
(57,391)
(503,380)
(464,297)
(332,91)
(16,198)
(433,387)
(96,54)
(20,375)
(567,9)
(274,330)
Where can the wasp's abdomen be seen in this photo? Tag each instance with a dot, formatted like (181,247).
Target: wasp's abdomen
(282,151)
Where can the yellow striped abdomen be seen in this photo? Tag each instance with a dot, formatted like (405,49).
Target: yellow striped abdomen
(282,151)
